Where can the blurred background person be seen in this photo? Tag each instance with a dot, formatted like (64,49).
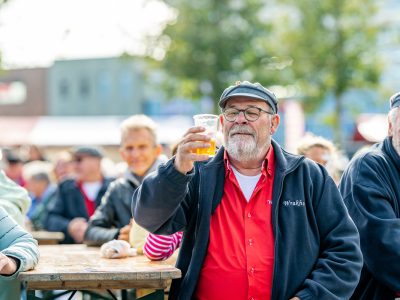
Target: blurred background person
(31,153)
(42,192)
(142,153)
(13,166)
(78,198)
(324,152)
(63,166)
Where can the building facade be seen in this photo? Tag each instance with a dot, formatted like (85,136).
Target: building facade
(90,87)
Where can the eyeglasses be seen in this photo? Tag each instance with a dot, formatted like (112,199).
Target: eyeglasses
(251,113)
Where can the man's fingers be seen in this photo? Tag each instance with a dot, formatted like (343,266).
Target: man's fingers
(194,129)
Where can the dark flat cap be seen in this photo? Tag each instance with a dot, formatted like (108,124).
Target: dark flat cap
(395,100)
(87,151)
(250,90)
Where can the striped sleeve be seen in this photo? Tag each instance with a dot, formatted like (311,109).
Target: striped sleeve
(160,247)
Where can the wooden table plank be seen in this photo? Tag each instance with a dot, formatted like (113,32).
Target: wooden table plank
(48,237)
(81,267)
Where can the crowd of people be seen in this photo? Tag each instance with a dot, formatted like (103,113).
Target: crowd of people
(252,222)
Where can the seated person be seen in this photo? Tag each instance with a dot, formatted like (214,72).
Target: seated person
(161,247)
(141,152)
(42,192)
(13,198)
(18,250)
(78,198)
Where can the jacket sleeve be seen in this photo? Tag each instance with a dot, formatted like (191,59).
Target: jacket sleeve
(337,270)
(162,202)
(56,221)
(101,228)
(17,243)
(161,247)
(369,202)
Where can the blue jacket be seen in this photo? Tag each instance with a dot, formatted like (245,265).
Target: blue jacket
(70,204)
(317,252)
(371,190)
(15,242)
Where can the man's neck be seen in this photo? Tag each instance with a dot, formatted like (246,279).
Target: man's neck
(93,178)
(248,168)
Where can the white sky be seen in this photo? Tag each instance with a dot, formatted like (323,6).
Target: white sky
(36,32)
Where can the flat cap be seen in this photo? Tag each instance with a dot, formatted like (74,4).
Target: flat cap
(87,151)
(251,90)
(395,100)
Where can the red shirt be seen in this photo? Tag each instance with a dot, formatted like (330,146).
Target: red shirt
(89,203)
(240,258)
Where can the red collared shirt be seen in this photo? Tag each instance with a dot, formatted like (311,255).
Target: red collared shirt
(240,258)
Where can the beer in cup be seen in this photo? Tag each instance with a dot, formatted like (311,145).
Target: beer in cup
(210,123)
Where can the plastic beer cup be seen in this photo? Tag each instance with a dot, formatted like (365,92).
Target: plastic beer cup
(210,123)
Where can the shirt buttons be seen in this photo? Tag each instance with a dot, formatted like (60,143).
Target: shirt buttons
(251,242)
(249,215)
(252,270)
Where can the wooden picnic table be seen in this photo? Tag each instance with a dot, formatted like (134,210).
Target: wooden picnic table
(47,237)
(78,267)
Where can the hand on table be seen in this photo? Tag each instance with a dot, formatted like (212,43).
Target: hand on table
(8,265)
(124,232)
(77,228)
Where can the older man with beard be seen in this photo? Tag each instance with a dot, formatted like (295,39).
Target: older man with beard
(258,222)
(371,190)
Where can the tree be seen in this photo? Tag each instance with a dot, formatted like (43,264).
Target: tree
(333,46)
(212,44)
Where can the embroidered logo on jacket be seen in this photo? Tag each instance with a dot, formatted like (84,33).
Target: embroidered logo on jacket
(294,203)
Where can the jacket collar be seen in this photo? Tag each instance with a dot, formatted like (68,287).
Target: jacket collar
(391,151)
(135,181)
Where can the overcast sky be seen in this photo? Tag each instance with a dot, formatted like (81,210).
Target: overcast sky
(36,32)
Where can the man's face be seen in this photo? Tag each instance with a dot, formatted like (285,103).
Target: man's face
(36,187)
(245,140)
(139,150)
(87,167)
(394,128)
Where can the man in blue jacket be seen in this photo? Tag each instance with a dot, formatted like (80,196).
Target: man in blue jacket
(78,198)
(371,190)
(258,222)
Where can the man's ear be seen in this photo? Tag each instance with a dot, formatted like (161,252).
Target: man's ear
(275,123)
(221,119)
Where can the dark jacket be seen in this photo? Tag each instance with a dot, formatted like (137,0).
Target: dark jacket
(317,252)
(113,213)
(371,190)
(115,209)
(70,204)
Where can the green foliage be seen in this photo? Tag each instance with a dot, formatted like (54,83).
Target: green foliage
(333,44)
(213,44)
(320,47)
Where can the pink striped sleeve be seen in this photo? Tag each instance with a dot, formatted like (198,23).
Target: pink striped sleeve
(160,247)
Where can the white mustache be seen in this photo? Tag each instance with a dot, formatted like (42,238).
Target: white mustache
(241,129)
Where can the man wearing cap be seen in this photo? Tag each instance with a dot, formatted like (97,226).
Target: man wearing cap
(370,187)
(78,198)
(258,222)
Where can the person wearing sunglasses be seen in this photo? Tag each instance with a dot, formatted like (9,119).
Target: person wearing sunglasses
(77,198)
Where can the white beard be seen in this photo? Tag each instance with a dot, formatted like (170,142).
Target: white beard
(243,147)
